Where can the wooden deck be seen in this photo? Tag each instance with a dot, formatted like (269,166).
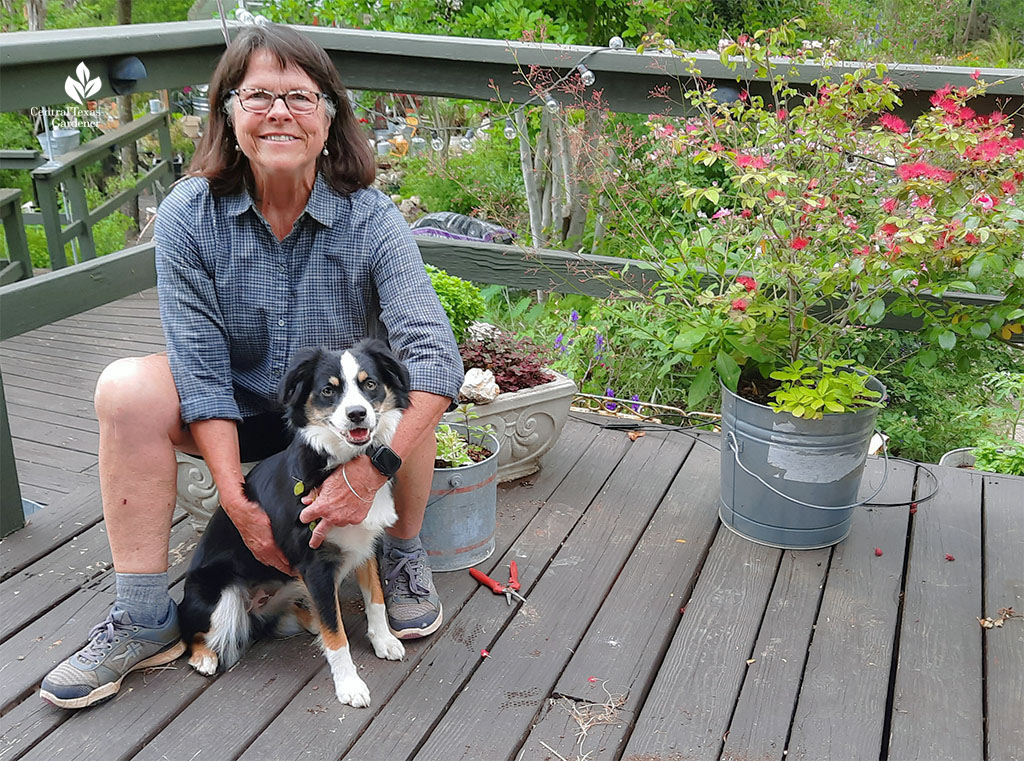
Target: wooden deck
(650,632)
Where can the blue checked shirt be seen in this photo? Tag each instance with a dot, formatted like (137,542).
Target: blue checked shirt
(236,303)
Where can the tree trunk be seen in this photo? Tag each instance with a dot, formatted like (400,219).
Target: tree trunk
(35,11)
(130,153)
(529,177)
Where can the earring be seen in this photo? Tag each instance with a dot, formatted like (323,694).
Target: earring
(326,152)
(237,148)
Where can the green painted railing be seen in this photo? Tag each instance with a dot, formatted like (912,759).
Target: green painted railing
(19,265)
(67,172)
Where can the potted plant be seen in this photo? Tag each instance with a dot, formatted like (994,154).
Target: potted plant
(995,453)
(532,401)
(460,519)
(532,405)
(828,212)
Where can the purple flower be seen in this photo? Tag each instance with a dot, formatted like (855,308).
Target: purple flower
(598,342)
(610,406)
(558,344)
(574,316)
(635,398)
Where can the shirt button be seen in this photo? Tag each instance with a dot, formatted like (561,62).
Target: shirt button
(281,323)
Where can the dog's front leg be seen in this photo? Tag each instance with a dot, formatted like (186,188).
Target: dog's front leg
(385,644)
(322,584)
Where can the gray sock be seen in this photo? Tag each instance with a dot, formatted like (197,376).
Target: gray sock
(402,545)
(144,597)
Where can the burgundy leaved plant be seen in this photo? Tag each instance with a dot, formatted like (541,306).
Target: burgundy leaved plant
(517,363)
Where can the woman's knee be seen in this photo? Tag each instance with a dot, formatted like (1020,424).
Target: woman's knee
(138,390)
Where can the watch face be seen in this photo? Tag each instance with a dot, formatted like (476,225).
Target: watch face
(386,461)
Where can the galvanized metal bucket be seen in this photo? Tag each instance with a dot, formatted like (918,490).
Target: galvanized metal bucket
(458,526)
(788,482)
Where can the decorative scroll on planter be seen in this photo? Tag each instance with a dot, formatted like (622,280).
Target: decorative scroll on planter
(197,494)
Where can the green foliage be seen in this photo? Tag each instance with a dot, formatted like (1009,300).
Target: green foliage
(461,300)
(452,447)
(810,391)
(1000,457)
(485,182)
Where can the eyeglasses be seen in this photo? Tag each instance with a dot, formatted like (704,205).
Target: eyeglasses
(257,101)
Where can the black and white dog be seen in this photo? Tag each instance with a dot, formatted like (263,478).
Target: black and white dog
(338,404)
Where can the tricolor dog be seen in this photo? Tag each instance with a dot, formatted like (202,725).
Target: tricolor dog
(339,405)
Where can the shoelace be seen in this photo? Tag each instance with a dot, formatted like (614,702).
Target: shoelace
(103,635)
(411,568)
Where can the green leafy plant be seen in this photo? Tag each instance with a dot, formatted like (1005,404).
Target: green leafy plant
(458,448)
(1000,457)
(461,299)
(452,448)
(810,391)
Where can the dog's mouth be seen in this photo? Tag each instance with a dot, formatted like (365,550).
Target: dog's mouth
(357,435)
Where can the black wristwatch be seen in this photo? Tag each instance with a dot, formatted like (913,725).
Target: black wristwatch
(385,460)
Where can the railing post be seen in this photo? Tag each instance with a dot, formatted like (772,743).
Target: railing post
(20,267)
(166,154)
(80,213)
(12,514)
(49,208)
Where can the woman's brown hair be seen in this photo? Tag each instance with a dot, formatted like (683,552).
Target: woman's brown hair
(349,165)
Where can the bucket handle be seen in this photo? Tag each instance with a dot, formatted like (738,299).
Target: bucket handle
(734,446)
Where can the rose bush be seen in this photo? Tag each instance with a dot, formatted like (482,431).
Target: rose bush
(832,213)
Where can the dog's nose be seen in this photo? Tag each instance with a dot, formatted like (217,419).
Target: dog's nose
(356,414)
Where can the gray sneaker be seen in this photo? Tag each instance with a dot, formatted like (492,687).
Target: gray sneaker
(413,607)
(116,648)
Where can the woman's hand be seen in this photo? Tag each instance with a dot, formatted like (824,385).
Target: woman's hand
(335,504)
(254,526)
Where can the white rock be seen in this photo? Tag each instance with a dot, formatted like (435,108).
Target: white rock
(479,386)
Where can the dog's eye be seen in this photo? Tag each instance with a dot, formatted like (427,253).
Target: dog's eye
(370,385)
(327,391)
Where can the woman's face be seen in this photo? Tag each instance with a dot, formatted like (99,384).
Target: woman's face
(278,142)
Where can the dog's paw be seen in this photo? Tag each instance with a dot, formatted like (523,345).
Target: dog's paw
(204,661)
(387,646)
(352,691)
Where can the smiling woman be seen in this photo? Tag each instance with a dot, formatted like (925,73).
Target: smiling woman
(275,242)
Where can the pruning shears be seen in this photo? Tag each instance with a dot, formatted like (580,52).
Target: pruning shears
(510,590)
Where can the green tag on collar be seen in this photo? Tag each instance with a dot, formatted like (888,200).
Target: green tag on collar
(299,488)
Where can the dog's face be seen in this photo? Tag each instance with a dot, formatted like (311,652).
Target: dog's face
(342,401)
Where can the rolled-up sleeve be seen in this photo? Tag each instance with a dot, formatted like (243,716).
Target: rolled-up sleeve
(197,342)
(418,329)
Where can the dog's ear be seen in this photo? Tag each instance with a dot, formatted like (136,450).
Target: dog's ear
(297,381)
(393,372)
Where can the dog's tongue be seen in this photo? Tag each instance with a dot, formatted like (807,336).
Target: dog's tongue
(359,434)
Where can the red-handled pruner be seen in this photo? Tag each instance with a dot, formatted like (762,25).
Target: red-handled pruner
(497,587)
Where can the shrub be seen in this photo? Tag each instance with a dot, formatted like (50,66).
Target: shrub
(461,299)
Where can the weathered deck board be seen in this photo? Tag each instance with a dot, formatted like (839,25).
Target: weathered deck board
(836,715)
(418,703)
(1004,647)
(495,708)
(47,529)
(937,704)
(691,702)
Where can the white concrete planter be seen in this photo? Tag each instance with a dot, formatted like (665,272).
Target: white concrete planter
(526,422)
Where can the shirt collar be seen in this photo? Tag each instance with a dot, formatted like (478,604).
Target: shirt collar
(321,205)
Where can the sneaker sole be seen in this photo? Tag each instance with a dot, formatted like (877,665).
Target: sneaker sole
(417,633)
(107,691)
